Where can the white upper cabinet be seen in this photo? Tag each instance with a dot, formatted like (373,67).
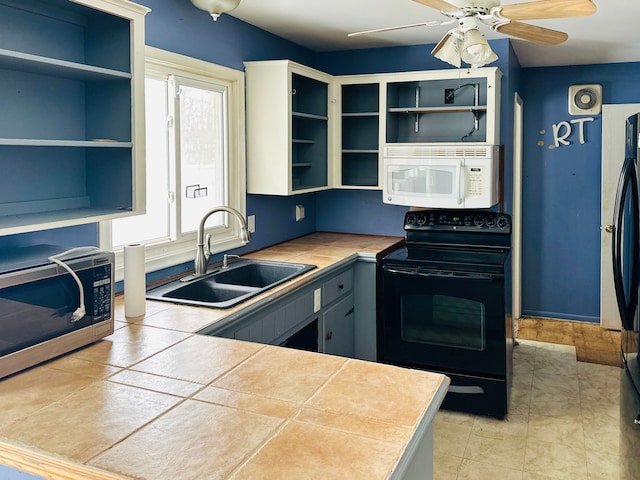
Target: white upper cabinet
(72,122)
(425,107)
(288,127)
(443,106)
(307,130)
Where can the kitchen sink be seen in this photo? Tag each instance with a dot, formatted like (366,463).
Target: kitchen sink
(229,286)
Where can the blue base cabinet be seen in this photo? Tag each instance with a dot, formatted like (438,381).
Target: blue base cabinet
(326,301)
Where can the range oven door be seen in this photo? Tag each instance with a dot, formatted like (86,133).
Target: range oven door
(452,321)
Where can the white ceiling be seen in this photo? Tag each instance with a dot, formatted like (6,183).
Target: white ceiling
(610,36)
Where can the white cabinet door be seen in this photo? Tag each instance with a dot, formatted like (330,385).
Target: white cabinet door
(338,328)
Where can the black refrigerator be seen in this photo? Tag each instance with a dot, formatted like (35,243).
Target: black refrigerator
(626,275)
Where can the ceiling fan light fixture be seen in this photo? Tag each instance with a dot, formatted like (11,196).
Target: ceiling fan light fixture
(475,49)
(448,50)
(215,8)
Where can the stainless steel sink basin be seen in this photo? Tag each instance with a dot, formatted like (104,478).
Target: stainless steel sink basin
(226,287)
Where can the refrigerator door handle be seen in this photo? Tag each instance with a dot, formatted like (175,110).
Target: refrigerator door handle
(628,180)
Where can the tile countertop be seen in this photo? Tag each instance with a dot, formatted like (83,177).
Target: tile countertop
(156,401)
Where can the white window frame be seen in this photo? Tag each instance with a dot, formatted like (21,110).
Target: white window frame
(173,251)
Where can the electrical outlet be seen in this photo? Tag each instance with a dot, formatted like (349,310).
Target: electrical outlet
(449,95)
(299,213)
(251,223)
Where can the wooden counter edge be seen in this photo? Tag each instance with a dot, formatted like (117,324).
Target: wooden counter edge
(48,466)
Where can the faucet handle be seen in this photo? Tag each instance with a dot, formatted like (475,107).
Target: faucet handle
(207,246)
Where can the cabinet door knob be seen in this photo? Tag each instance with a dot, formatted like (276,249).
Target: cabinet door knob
(608,228)
(329,335)
(341,287)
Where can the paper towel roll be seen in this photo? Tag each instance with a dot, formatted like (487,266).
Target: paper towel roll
(134,280)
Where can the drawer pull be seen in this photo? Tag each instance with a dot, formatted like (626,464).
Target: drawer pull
(341,287)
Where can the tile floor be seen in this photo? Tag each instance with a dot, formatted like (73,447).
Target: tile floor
(563,423)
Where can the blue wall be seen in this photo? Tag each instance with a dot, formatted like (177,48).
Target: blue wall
(177,26)
(561,191)
(358,211)
(561,186)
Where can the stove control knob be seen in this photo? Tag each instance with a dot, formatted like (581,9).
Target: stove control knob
(422,219)
(478,221)
(411,219)
(491,221)
(502,222)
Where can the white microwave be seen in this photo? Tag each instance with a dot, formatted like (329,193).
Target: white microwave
(442,176)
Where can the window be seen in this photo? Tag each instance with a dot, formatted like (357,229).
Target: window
(195,160)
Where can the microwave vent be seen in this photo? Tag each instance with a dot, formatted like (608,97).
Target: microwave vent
(439,151)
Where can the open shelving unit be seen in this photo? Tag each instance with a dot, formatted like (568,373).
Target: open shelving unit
(437,111)
(308,130)
(360,116)
(72,125)
(288,134)
(309,126)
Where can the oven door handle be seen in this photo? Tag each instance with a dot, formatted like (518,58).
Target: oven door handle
(446,274)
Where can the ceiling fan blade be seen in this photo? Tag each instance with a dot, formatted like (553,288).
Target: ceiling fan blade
(439,5)
(387,29)
(549,9)
(533,33)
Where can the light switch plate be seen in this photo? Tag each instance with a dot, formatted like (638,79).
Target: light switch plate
(299,212)
(251,223)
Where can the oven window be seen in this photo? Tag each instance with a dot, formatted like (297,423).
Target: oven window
(443,320)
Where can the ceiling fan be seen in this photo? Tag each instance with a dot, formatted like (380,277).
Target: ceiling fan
(466,43)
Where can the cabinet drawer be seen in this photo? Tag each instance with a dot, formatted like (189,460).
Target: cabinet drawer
(336,287)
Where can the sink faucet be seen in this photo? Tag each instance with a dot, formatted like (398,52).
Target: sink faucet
(203,252)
